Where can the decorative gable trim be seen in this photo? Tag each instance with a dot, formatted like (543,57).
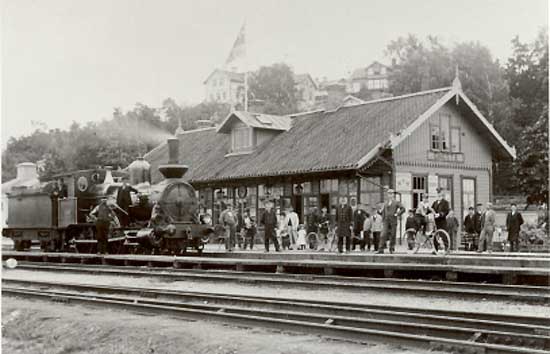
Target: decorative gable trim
(457,93)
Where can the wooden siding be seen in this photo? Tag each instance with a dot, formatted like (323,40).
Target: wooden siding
(411,158)
(477,152)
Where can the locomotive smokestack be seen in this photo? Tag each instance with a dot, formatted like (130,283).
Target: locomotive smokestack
(173,169)
(173,151)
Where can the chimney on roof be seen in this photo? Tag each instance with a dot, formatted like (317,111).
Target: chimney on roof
(204,123)
(179,129)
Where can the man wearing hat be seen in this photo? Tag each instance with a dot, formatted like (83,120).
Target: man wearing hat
(124,200)
(392,210)
(269,220)
(344,222)
(441,209)
(488,228)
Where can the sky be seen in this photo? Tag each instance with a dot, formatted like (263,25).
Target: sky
(75,60)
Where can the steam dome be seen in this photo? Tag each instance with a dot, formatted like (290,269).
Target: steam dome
(140,171)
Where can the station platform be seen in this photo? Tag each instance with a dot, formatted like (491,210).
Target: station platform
(491,268)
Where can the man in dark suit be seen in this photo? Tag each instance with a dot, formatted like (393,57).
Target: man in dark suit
(344,220)
(124,200)
(514,220)
(269,220)
(392,210)
(441,209)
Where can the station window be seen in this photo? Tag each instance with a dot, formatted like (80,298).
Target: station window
(241,138)
(419,189)
(445,183)
(440,134)
(371,191)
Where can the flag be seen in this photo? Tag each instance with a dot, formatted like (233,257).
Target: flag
(238,51)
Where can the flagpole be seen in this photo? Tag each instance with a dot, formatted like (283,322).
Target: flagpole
(245,71)
(245,90)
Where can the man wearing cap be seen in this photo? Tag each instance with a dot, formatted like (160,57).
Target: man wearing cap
(269,220)
(103,217)
(124,200)
(441,209)
(229,221)
(392,210)
(471,229)
(488,228)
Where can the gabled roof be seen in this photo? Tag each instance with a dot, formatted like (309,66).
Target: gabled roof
(233,76)
(255,120)
(362,73)
(347,138)
(298,78)
(351,100)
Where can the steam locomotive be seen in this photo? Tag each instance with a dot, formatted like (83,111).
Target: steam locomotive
(55,214)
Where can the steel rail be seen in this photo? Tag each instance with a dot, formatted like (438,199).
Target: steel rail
(525,324)
(537,294)
(403,332)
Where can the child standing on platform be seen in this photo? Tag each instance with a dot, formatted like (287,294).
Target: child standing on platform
(411,228)
(301,243)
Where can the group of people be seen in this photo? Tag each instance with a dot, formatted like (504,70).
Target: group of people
(352,227)
(479,227)
(108,214)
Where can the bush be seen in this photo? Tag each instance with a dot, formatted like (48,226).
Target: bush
(531,234)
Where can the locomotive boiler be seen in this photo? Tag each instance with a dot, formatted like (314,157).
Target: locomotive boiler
(55,213)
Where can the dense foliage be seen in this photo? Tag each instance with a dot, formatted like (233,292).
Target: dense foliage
(513,97)
(274,86)
(115,142)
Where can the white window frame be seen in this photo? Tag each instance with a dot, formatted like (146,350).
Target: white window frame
(236,146)
(445,143)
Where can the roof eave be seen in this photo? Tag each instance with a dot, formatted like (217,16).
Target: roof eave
(509,150)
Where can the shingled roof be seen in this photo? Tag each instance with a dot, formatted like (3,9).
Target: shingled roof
(255,120)
(321,141)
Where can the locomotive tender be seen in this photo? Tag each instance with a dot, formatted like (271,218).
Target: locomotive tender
(60,222)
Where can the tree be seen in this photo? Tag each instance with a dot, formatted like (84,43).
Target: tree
(190,115)
(418,66)
(527,73)
(532,160)
(53,164)
(275,86)
(423,66)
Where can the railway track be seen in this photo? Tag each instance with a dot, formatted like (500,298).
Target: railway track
(518,293)
(454,331)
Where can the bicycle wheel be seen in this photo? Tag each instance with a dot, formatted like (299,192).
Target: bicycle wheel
(312,241)
(443,240)
(410,236)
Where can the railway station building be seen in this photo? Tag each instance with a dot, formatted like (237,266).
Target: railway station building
(414,143)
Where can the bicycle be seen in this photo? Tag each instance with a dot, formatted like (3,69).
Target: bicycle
(417,239)
(317,244)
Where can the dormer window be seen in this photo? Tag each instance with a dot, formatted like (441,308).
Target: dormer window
(241,138)
(247,130)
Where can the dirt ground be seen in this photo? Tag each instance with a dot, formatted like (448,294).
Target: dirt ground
(52,328)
